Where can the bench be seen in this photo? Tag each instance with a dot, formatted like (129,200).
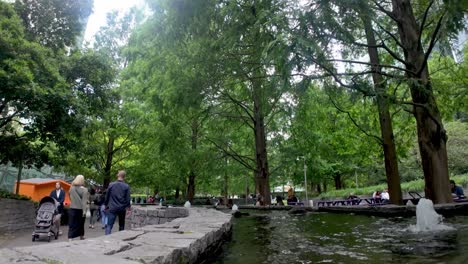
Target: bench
(340,202)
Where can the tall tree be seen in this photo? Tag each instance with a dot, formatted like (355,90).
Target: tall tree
(386,128)
(432,136)
(54,23)
(252,36)
(349,25)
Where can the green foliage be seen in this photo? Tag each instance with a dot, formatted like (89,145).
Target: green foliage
(457,151)
(450,84)
(54,23)
(416,185)
(187,91)
(9,195)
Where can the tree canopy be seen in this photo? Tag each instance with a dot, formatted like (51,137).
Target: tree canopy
(226,98)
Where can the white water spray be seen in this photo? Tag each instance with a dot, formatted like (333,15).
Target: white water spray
(427,219)
(235,208)
(187,204)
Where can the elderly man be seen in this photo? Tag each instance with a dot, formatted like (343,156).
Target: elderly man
(59,195)
(117,202)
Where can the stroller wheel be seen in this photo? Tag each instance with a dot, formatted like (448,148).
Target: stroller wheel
(33,238)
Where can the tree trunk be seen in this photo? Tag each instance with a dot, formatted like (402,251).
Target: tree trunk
(191,187)
(386,129)
(325,187)
(109,158)
(194,142)
(337,179)
(319,188)
(18,178)
(225,187)
(432,136)
(262,183)
(177,193)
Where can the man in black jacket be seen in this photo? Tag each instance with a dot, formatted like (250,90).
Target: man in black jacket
(59,195)
(117,202)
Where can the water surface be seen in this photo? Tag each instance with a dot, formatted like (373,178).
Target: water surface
(277,237)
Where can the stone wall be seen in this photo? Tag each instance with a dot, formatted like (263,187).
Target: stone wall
(16,215)
(154,215)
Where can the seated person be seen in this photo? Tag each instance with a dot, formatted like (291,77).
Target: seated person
(376,195)
(385,195)
(259,200)
(293,199)
(457,191)
(279,200)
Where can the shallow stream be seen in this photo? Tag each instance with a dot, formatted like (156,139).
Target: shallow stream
(277,237)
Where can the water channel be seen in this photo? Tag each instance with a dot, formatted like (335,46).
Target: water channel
(278,237)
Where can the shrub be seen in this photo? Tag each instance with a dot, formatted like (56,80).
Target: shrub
(9,195)
(416,185)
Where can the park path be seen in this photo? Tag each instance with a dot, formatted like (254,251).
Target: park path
(23,238)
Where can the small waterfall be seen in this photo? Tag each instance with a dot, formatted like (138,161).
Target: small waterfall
(427,219)
(187,204)
(235,208)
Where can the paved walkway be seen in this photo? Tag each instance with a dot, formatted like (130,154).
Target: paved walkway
(23,238)
(188,239)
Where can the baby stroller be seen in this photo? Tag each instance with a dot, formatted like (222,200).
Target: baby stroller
(45,219)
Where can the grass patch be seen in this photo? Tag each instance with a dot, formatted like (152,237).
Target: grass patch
(417,185)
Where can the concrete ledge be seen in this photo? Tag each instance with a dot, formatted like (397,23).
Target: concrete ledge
(389,210)
(184,240)
(267,207)
(397,210)
(154,215)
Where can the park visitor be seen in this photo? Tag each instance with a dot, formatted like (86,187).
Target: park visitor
(102,207)
(385,196)
(279,200)
(292,199)
(117,202)
(59,195)
(377,195)
(457,191)
(93,202)
(77,212)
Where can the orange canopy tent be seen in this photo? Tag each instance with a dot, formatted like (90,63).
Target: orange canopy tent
(38,188)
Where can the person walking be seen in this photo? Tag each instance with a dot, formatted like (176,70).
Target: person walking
(93,201)
(59,195)
(117,202)
(77,212)
(102,207)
